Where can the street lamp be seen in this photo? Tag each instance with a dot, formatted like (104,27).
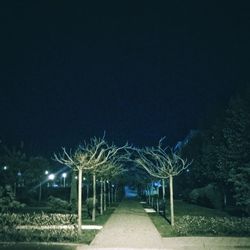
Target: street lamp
(51,177)
(64,175)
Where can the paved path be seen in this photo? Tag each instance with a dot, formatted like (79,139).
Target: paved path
(128,227)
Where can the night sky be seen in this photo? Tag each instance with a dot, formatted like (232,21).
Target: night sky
(138,71)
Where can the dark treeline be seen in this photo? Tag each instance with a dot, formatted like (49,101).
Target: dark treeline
(221,154)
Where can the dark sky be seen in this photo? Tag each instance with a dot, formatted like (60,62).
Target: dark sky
(140,72)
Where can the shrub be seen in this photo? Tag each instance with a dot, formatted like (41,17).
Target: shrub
(209,196)
(219,226)
(36,219)
(57,204)
(7,199)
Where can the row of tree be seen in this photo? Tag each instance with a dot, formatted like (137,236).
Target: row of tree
(98,158)
(221,153)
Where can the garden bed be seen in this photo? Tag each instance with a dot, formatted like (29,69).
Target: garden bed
(191,220)
(43,227)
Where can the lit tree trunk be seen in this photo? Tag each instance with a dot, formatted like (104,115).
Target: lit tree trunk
(163,189)
(40,192)
(163,197)
(157,201)
(94,197)
(101,197)
(171,199)
(105,196)
(79,201)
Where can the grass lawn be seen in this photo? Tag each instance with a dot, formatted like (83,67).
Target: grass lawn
(193,220)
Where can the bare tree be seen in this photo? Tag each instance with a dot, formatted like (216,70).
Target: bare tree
(88,157)
(161,162)
(108,172)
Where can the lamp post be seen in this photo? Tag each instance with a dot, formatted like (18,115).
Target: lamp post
(51,177)
(64,175)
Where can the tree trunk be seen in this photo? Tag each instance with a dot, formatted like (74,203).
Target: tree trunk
(109,194)
(157,201)
(171,193)
(116,190)
(105,196)
(40,192)
(164,197)
(87,190)
(101,197)
(79,201)
(163,189)
(94,197)
(112,194)
(73,192)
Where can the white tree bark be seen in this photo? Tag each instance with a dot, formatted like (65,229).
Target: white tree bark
(94,197)
(79,201)
(105,196)
(101,197)
(171,194)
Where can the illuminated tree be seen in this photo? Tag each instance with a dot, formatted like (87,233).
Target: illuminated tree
(162,163)
(88,157)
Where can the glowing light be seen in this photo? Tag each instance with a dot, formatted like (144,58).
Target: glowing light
(46,172)
(5,168)
(64,175)
(51,177)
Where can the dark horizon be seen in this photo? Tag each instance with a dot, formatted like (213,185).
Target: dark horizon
(138,72)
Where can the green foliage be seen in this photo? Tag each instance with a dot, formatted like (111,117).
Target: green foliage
(9,231)
(236,150)
(209,195)
(219,226)
(57,204)
(193,220)
(7,199)
(221,153)
(36,219)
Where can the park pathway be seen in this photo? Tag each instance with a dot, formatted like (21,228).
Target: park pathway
(128,227)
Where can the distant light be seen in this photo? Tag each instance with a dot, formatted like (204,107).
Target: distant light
(51,177)
(64,175)
(188,170)
(19,173)
(84,178)
(113,185)
(76,177)
(5,168)
(46,172)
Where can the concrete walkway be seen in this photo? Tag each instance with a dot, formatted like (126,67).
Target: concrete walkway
(128,227)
